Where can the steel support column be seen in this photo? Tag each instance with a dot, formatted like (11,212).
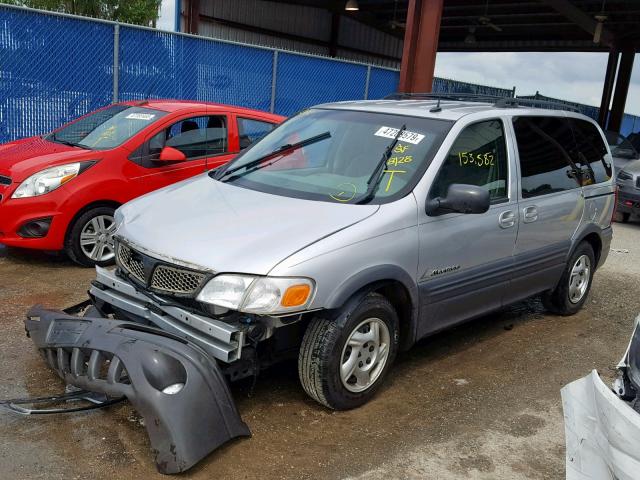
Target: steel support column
(420,45)
(333,37)
(193,17)
(622,89)
(607,88)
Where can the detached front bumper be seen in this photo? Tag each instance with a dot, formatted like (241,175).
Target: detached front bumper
(177,388)
(602,432)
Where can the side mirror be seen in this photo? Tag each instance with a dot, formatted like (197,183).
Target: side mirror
(170,154)
(460,198)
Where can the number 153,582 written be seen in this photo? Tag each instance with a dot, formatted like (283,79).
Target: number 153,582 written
(477,159)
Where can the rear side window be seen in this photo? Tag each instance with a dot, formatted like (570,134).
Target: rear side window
(545,145)
(591,151)
(477,157)
(251,130)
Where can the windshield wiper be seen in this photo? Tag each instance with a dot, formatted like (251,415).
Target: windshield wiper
(378,172)
(257,164)
(66,142)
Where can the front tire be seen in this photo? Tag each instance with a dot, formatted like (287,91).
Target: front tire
(571,292)
(90,238)
(343,362)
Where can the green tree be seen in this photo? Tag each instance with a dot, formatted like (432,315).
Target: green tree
(137,12)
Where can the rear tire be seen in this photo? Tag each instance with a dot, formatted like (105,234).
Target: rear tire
(343,362)
(624,217)
(89,240)
(571,292)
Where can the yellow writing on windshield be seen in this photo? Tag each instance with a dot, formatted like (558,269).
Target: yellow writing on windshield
(107,134)
(346,192)
(392,172)
(401,148)
(395,161)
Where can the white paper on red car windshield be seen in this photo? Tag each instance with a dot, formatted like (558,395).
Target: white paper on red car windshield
(406,136)
(140,116)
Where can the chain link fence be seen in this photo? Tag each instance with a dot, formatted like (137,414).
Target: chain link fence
(56,67)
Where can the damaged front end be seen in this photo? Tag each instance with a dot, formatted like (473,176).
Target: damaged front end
(177,388)
(602,425)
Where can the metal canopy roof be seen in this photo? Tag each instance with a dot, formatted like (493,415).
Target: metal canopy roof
(511,25)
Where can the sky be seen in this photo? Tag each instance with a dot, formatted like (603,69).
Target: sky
(166,20)
(570,76)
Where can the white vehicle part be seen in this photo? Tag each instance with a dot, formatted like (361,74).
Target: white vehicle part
(602,432)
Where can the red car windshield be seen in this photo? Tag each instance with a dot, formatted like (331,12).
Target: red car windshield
(107,128)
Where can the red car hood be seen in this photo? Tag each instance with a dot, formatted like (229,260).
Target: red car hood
(25,157)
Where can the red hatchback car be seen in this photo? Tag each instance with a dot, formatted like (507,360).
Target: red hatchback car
(59,191)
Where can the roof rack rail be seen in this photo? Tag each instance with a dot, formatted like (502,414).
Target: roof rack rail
(531,102)
(497,101)
(441,96)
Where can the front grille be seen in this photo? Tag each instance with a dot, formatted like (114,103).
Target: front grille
(176,280)
(158,276)
(132,265)
(5,180)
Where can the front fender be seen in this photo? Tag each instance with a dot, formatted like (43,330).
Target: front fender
(371,279)
(368,276)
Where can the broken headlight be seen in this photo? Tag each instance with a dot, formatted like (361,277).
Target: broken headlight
(260,295)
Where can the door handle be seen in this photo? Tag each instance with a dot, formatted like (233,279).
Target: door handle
(530,214)
(507,219)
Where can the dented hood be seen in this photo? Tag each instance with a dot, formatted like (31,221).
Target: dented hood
(226,228)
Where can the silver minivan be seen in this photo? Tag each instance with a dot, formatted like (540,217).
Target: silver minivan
(357,228)
(342,237)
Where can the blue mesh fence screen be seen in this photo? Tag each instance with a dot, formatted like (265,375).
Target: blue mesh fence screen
(630,124)
(56,68)
(304,81)
(382,82)
(446,85)
(163,65)
(52,69)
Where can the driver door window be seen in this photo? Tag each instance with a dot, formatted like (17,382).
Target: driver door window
(477,157)
(196,137)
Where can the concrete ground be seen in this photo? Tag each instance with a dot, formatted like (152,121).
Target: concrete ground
(481,401)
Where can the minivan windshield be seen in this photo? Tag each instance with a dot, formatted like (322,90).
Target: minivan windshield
(620,146)
(106,128)
(333,155)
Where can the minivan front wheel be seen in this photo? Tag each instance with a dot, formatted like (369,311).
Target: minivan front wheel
(343,361)
(572,291)
(90,238)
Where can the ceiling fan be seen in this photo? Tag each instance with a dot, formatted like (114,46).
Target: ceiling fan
(394,23)
(485,20)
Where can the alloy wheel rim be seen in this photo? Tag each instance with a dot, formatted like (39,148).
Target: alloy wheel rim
(96,238)
(364,355)
(579,278)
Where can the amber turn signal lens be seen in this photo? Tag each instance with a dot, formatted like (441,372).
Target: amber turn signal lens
(296,295)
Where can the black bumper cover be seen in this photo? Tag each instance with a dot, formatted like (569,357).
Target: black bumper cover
(127,359)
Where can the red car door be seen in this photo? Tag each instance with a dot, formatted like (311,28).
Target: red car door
(206,140)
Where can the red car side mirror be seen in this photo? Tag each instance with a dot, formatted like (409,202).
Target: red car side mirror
(170,154)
